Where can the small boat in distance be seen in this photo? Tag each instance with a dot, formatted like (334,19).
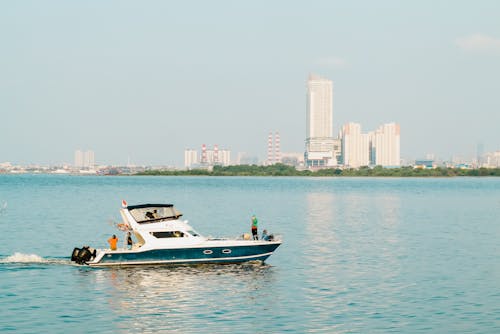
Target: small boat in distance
(164,238)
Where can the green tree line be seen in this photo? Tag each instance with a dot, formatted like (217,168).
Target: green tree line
(285,170)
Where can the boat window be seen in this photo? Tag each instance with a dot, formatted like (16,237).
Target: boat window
(155,214)
(168,234)
(193,233)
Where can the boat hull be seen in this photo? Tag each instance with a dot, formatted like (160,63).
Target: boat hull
(188,255)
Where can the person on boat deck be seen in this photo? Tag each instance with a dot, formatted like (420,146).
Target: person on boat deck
(113,241)
(155,213)
(267,237)
(254,228)
(150,215)
(129,241)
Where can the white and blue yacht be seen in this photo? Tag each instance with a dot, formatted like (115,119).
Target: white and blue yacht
(162,237)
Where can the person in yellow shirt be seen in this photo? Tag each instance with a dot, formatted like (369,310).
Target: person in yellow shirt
(112,242)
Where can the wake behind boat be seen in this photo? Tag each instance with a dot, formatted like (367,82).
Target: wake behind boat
(164,238)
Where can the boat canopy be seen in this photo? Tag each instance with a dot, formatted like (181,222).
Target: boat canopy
(152,213)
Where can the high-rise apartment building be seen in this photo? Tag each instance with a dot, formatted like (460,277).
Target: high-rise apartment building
(321,147)
(190,158)
(355,146)
(218,157)
(89,159)
(385,146)
(273,149)
(84,159)
(78,158)
(224,157)
(352,148)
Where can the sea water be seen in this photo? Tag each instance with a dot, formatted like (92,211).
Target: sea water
(360,255)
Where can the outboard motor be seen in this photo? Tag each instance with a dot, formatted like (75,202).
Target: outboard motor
(83,255)
(74,255)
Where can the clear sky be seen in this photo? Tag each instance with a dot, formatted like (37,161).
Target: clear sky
(147,79)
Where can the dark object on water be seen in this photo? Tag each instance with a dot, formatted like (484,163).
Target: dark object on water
(74,255)
(83,255)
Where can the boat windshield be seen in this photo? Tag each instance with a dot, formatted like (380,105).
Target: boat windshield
(153,214)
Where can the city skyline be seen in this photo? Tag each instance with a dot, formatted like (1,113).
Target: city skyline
(94,75)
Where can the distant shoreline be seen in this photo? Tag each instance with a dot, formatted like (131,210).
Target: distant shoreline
(284,170)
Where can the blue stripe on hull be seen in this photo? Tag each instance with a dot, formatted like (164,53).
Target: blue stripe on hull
(191,255)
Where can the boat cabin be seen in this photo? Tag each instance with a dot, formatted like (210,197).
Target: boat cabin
(153,213)
(158,224)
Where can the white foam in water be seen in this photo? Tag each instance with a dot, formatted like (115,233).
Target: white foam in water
(23,258)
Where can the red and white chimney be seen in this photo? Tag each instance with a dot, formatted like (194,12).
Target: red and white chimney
(203,154)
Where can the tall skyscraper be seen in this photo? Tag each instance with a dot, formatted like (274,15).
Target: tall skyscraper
(355,146)
(319,107)
(320,145)
(385,146)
